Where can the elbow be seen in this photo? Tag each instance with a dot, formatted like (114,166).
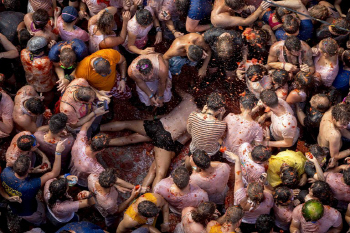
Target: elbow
(190,28)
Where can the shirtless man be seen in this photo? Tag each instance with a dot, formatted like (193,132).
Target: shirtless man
(28,109)
(179,192)
(168,135)
(224,11)
(333,122)
(188,48)
(144,210)
(291,55)
(6,109)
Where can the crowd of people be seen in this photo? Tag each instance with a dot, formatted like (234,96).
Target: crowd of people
(280,162)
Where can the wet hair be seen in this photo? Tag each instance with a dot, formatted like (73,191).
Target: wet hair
(235,4)
(58,123)
(346,176)
(346,57)
(334,96)
(225,47)
(107,178)
(25,142)
(292,43)
(24,37)
(58,191)
(182,6)
(147,209)
(290,24)
(144,66)
(309,169)
(340,22)
(347,100)
(203,212)
(319,12)
(104,23)
(195,53)
(248,101)
(181,177)
(304,80)
(102,66)
(269,98)
(99,142)
(67,57)
(144,17)
(282,195)
(317,151)
(289,177)
(215,101)
(280,12)
(323,192)
(21,165)
(280,77)
(261,153)
(264,223)
(255,72)
(40,18)
(35,106)
(12,5)
(255,191)
(341,112)
(201,159)
(233,214)
(84,94)
(329,46)
(323,107)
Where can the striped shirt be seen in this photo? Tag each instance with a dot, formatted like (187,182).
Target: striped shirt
(205,133)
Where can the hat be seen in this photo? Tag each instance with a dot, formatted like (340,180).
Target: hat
(36,43)
(69,14)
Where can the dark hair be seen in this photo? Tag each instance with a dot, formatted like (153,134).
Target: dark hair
(280,12)
(24,37)
(147,209)
(292,43)
(58,191)
(255,72)
(347,100)
(341,112)
(282,195)
(35,106)
(319,12)
(340,22)
(181,177)
(12,5)
(182,6)
(144,17)
(323,192)
(304,80)
(215,101)
(67,57)
(261,153)
(329,46)
(317,151)
(225,47)
(21,165)
(107,178)
(346,176)
(203,212)
(309,169)
(289,177)
(99,142)
(255,191)
(201,159)
(83,93)
(346,57)
(290,24)
(102,66)
(195,53)
(235,4)
(234,214)
(58,123)
(322,107)
(144,66)
(248,101)
(280,77)
(40,18)
(104,23)
(264,223)
(269,98)
(25,142)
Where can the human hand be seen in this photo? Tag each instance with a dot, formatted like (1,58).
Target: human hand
(347,160)
(310,157)
(262,119)
(264,5)
(311,180)
(83,195)
(305,68)
(310,227)
(202,72)
(100,111)
(126,16)
(165,227)
(332,163)
(267,133)
(250,9)
(302,181)
(45,164)
(39,169)
(159,37)
(315,51)
(60,146)
(240,74)
(148,50)
(232,156)
(296,192)
(121,86)
(62,84)
(52,43)
(165,15)
(290,67)
(154,101)
(136,191)
(57,12)
(15,199)
(4,135)
(138,2)
(159,101)
(178,34)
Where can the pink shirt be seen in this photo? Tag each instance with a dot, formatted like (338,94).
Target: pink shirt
(78,33)
(340,190)
(6,106)
(283,216)
(82,165)
(62,211)
(216,184)
(96,6)
(163,5)
(187,224)
(239,131)
(328,73)
(13,152)
(257,87)
(264,207)
(107,203)
(331,218)
(177,202)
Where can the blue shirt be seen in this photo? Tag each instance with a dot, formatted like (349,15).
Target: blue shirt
(26,189)
(305,31)
(200,9)
(81,227)
(341,82)
(78,46)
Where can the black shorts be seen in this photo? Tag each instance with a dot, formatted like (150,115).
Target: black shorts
(160,137)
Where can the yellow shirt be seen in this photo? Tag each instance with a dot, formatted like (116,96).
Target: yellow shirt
(293,159)
(135,216)
(217,229)
(85,70)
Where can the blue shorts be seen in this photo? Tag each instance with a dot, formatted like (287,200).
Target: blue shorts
(176,64)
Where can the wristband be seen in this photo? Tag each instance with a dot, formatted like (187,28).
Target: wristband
(94,113)
(106,10)
(124,79)
(173,31)
(67,174)
(151,96)
(57,153)
(68,77)
(161,97)
(158,29)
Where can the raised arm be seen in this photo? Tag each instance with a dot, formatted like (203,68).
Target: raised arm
(319,173)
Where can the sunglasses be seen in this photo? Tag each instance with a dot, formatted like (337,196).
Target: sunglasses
(67,68)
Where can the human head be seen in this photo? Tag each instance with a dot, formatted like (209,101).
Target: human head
(261,154)
(37,45)
(280,77)
(341,115)
(23,37)
(12,5)
(256,72)
(107,178)
(26,142)
(21,165)
(293,45)
(312,210)
(289,176)
(67,58)
(85,94)
(265,223)
(233,215)
(102,66)
(195,53)
(303,80)
(69,14)
(280,12)
(147,209)
(235,5)
(181,177)
(322,191)
(144,66)
(35,106)
(201,159)
(269,98)
(329,46)
(290,25)
(340,22)
(144,17)
(105,23)
(320,102)
(255,192)
(319,12)
(215,101)
(346,176)
(225,46)
(40,18)
(248,101)
(319,153)
(58,189)
(58,123)
(346,58)
(203,212)
(99,142)
(182,6)
(283,195)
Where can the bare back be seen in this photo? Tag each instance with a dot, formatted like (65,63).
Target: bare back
(328,131)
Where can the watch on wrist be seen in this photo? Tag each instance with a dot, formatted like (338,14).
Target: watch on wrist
(124,79)
(158,29)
